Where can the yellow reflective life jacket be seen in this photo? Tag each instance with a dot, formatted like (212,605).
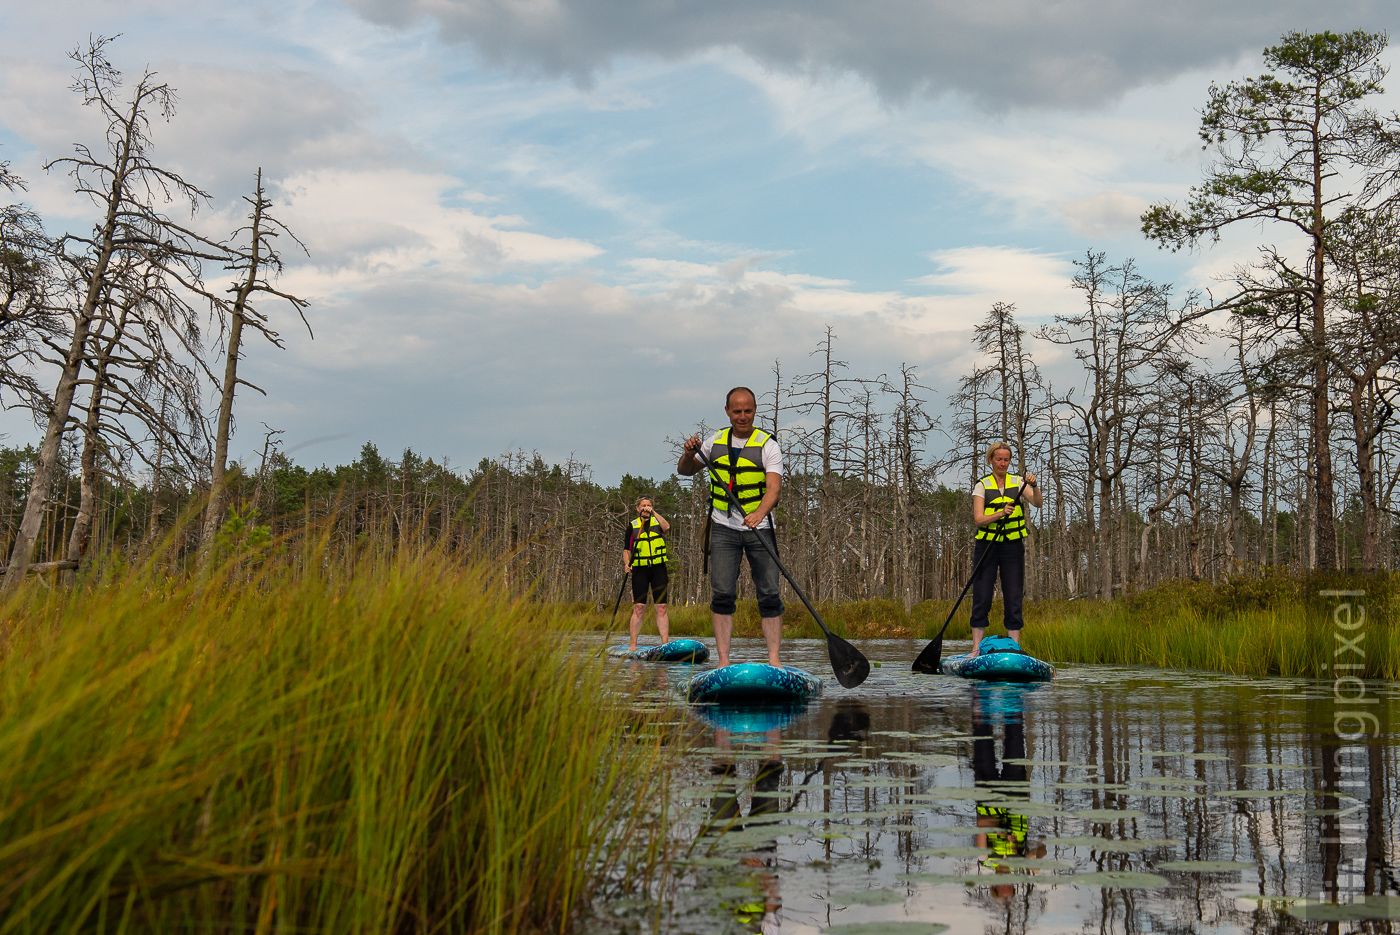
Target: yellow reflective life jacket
(743,472)
(1014,526)
(648,545)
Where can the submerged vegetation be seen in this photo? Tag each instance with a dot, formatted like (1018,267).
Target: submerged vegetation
(381,745)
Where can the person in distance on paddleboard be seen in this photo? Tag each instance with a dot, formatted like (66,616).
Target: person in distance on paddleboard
(644,555)
(992,499)
(747,461)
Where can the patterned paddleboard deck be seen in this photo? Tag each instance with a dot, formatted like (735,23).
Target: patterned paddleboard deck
(998,661)
(753,683)
(674,651)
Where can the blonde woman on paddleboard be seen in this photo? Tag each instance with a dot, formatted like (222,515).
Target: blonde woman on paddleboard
(993,503)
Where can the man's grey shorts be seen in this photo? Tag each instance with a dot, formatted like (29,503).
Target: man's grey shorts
(726,546)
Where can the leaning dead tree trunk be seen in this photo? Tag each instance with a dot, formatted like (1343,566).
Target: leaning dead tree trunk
(87,496)
(131,234)
(254,262)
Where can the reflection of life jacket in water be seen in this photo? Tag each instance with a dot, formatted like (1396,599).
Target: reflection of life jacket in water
(1008,838)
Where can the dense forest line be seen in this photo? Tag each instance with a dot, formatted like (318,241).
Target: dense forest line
(1183,435)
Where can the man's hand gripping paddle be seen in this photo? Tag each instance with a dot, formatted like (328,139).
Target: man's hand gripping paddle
(931,658)
(848,663)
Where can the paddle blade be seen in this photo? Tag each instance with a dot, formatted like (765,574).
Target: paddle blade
(848,663)
(931,658)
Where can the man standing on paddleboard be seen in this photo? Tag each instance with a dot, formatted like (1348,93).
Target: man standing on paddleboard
(747,461)
(644,555)
(1001,525)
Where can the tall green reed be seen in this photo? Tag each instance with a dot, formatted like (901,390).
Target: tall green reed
(383,746)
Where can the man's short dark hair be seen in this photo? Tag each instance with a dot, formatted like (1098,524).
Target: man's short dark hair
(740,389)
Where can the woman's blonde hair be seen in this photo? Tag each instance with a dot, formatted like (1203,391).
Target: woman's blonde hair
(638,504)
(994,447)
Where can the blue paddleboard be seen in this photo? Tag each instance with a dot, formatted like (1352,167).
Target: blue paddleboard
(753,683)
(674,651)
(998,659)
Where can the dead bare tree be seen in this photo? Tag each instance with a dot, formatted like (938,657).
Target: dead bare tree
(1126,333)
(257,264)
(131,236)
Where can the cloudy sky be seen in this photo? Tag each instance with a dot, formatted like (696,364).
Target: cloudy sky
(570,225)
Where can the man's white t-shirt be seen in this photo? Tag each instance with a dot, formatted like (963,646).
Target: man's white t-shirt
(772,459)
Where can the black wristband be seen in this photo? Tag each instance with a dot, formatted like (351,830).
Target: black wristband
(1033,485)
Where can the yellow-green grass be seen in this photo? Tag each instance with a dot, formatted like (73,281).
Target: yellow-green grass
(1298,640)
(389,747)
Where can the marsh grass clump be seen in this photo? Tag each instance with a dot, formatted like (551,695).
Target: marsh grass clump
(388,746)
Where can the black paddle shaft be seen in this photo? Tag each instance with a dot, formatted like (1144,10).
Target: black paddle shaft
(848,663)
(622,587)
(928,661)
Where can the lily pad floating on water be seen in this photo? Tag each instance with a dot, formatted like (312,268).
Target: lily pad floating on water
(708,862)
(951,794)
(952,852)
(1109,846)
(1168,793)
(1101,786)
(1024,761)
(924,759)
(749,838)
(958,831)
(1372,907)
(1187,755)
(1030,863)
(1280,766)
(1105,815)
(1168,781)
(967,879)
(1034,809)
(1205,866)
(1118,879)
(867,898)
(1257,793)
(886,928)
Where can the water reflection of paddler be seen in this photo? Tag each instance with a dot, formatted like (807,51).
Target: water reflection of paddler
(1007,830)
(757,914)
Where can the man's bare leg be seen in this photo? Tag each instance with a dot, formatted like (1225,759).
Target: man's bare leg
(773,636)
(637,611)
(1015,635)
(977,633)
(663,623)
(724,628)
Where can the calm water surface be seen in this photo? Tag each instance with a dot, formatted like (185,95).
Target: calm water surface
(1110,800)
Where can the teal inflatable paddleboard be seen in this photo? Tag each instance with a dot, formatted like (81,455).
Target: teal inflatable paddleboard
(674,651)
(752,683)
(998,659)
